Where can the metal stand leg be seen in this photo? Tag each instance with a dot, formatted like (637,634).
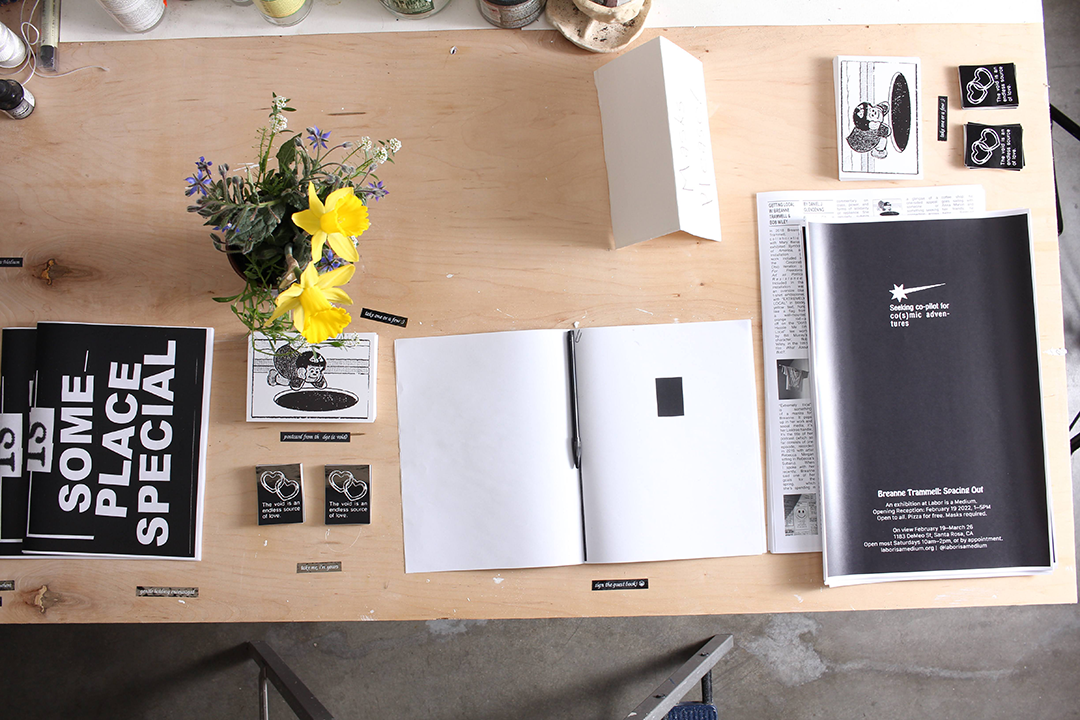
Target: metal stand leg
(699,667)
(273,669)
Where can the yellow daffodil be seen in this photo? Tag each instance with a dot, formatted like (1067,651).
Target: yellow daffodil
(309,300)
(341,218)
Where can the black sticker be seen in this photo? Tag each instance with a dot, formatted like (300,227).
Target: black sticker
(943,118)
(281,494)
(348,494)
(988,86)
(640,584)
(384,317)
(669,397)
(11,262)
(993,146)
(316,437)
(7,585)
(169,592)
(318,567)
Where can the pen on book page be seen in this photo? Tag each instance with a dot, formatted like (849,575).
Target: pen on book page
(50,33)
(575,438)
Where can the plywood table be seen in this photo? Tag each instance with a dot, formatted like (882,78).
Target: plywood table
(497,220)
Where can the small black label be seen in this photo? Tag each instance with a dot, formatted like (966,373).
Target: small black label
(10,262)
(943,118)
(316,437)
(318,567)
(7,585)
(178,592)
(382,317)
(641,584)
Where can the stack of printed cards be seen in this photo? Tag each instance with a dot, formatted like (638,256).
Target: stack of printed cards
(877,117)
(348,494)
(281,494)
(993,146)
(988,86)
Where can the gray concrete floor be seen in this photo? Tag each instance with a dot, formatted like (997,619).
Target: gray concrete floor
(965,663)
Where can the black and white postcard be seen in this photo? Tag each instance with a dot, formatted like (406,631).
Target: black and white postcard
(329,382)
(877,117)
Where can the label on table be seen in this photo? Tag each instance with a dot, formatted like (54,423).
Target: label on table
(11,262)
(7,585)
(168,592)
(316,437)
(318,567)
(382,317)
(639,584)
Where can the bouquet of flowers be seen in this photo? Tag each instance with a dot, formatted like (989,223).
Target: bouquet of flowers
(292,230)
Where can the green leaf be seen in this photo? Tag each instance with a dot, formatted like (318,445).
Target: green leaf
(286,154)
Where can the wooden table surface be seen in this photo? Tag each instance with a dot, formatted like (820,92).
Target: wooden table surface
(497,219)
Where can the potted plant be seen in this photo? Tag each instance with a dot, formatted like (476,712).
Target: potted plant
(290,224)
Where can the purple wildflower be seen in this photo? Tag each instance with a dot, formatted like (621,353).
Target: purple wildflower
(317,137)
(197,183)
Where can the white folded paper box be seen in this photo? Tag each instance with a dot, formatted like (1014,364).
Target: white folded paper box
(657,144)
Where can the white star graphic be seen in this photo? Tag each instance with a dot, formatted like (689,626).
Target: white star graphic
(900,293)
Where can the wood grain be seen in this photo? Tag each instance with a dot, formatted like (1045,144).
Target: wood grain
(497,219)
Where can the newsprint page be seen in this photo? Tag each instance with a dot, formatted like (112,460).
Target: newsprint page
(794,515)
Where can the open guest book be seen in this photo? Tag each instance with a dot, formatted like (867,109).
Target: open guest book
(663,418)
(925,364)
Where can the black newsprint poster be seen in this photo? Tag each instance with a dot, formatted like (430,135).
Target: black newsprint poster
(117,440)
(17,347)
(926,379)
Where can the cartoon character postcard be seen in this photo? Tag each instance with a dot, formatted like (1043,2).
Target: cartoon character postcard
(329,382)
(877,117)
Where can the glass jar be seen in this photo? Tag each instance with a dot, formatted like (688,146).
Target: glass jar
(284,12)
(414,9)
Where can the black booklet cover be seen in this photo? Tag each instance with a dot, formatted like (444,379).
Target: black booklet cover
(17,346)
(925,359)
(117,447)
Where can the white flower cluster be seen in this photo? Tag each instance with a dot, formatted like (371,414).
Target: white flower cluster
(366,144)
(394,144)
(278,123)
(380,155)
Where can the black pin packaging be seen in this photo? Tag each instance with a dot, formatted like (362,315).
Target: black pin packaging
(348,494)
(281,494)
(993,146)
(988,86)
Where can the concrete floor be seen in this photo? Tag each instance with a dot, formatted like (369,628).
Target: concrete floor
(969,663)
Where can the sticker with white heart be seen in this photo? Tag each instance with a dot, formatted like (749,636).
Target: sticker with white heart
(276,482)
(346,483)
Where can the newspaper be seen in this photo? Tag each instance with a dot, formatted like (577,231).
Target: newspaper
(794,515)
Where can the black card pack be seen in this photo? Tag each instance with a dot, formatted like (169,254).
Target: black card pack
(281,494)
(993,146)
(348,494)
(988,86)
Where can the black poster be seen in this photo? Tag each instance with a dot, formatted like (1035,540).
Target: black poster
(117,439)
(928,405)
(16,381)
